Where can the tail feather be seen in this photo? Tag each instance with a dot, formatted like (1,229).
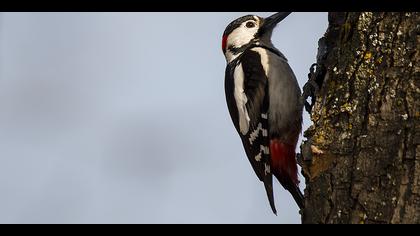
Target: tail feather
(269,190)
(297,195)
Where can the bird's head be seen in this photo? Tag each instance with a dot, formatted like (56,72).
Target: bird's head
(248,30)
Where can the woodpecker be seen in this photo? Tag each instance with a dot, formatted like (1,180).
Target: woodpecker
(264,101)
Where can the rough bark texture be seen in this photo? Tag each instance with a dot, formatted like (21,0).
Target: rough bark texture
(365,138)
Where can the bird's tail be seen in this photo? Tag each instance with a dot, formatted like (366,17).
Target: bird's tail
(297,195)
(284,167)
(269,189)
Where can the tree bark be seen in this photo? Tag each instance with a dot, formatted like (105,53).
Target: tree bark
(364,144)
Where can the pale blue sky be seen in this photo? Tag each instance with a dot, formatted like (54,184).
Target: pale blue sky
(121,118)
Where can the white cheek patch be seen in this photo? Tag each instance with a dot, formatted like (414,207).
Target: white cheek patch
(241,99)
(241,36)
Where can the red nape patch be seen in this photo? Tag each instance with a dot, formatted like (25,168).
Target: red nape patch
(283,161)
(224,42)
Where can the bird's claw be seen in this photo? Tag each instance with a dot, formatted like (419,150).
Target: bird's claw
(311,88)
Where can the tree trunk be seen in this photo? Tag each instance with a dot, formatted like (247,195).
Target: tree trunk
(362,153)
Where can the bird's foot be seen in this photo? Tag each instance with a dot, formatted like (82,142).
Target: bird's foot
(311,88)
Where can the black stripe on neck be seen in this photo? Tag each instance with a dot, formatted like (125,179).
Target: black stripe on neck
(253,45)
(246,47)
(268,48)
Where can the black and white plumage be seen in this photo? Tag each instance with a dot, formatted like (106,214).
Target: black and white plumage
(263,99)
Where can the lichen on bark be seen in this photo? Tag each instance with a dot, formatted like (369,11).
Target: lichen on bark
(366,122)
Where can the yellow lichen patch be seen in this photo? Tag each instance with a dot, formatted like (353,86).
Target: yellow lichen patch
(362,218)
(368,56)
(346,108)
(320,137)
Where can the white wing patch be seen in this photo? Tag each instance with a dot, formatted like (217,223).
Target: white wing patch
(241,99)
(258,157)
(267,168)
(256,132)
(263,149)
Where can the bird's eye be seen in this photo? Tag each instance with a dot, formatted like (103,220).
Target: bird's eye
(250,24)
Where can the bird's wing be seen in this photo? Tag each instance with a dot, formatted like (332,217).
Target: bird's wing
(256,140)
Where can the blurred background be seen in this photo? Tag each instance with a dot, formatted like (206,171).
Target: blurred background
(121,118)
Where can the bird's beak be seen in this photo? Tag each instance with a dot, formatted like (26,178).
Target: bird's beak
(270,22)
